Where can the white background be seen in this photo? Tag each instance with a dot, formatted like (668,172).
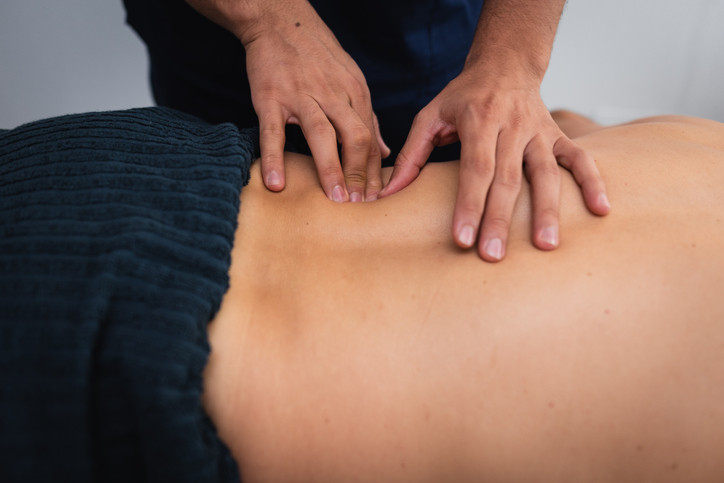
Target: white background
(613,60)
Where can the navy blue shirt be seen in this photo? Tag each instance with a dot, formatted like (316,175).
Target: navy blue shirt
(408,51)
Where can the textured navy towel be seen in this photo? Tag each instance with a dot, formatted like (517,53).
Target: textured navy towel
(116,230)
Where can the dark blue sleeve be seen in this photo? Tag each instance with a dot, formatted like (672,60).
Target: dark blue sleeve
(408,51)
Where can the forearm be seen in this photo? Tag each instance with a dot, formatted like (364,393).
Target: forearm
(514,38)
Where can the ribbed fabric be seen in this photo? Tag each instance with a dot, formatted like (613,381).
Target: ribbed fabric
(116,230)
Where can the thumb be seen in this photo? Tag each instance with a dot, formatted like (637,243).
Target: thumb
(410,160)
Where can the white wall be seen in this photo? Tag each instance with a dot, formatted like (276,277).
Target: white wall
(64,56)
(613,59)
(618,59)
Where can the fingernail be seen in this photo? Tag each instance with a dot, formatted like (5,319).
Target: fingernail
(603,201)
(494,248)
(338,194)
(371,197)
(549,235)
(355,197)
(273,179)
(467,236)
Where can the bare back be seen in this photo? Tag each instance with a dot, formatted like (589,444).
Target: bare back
(357,343)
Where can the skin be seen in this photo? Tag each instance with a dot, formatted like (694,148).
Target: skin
(372,348)
(493,107)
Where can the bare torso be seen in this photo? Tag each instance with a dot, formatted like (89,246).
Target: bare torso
(358,343)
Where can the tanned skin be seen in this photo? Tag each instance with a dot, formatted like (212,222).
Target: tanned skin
(358,342)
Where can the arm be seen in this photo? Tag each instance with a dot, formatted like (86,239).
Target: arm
(494,108)
(299,74)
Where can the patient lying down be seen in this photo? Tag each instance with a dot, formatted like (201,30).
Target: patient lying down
(357,343)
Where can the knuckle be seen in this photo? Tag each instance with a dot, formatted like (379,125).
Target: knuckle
(355,176)
(576,164)
(547,212)
(471,205)
(271,133)
(271,129)
(516,121)
(358,90)
(497,223)
(579,160)
(547,170)
(359,139)
(320,126)
(374,185)
(374,151)
(480,112)
(509,177)
(329,171)
(272,158)
(403,160)
(311,110)
(483,171)
(538,166)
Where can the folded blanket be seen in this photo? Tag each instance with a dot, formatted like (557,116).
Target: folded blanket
(116,230)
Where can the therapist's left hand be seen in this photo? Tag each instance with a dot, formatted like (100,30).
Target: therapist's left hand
(502,124)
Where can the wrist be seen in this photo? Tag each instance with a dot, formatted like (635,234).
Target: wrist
(248,19)
(508,66)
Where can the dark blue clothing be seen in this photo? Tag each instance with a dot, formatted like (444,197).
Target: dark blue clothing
(408,51)
(116,232)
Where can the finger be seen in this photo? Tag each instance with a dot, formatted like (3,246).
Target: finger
(362,105)
(502,196)
(412,157)
(271,144)
(585,172)
(358,147)
(322,140)
(374,180)
(374,165)
(477,168)
(544,176)
(385,151)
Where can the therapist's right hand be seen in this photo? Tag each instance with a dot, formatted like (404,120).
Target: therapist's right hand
(300,74)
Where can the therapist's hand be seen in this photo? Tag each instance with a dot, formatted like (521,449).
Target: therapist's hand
(503,125)
(299,74)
